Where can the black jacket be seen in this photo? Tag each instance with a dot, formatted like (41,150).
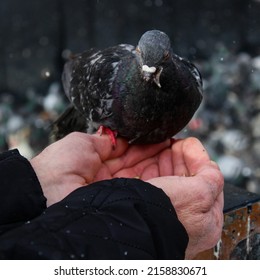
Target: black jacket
(111,219)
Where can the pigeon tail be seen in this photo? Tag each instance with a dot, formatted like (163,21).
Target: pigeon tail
(70,120)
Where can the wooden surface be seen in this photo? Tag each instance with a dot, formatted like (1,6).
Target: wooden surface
(241,231)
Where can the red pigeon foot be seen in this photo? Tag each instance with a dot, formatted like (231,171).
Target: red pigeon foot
(112,134)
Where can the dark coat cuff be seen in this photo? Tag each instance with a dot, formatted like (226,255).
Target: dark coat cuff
(111,219)
(21,196)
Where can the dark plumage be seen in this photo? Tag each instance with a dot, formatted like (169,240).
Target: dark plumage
(145,94)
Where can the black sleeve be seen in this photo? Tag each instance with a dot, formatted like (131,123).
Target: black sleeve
(111,219)
(21,197)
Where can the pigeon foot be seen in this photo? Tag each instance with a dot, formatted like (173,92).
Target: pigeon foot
(112,134)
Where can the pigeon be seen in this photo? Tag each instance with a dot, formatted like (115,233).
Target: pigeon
(145,94)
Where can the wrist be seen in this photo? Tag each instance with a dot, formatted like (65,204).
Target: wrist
(41,176)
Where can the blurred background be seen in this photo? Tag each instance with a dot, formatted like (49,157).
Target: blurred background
(221,37)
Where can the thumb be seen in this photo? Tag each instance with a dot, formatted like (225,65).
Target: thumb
(195,155)
(104,147)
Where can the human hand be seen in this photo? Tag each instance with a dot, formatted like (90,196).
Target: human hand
(190,179)
(78,160)
(182,170)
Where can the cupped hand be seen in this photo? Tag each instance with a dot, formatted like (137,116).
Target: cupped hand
(190,179)
(181,168)
(196,192)
(80,159)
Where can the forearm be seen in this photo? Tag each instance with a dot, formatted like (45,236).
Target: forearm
(112,219)
(21,197)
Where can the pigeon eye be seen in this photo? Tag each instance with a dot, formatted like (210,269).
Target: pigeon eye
(138,50)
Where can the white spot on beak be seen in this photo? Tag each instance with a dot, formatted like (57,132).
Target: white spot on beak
(152,73)
(148,69)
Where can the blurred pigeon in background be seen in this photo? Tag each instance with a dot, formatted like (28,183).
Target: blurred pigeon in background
(145,94)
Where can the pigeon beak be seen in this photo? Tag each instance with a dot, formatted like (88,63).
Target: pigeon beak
(157,75)
(149,72)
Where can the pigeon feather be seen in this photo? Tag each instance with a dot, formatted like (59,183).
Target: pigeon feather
(145,94)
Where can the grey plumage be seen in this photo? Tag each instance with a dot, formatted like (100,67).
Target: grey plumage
(145,93)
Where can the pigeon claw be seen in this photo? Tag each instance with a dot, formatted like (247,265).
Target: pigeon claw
(112,134)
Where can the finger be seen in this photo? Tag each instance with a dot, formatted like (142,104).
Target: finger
(138,153)
(138,170)
(195,155)
(188,156)
(178,161)
(134,155)
(152,171)
(165,163)
(105,149)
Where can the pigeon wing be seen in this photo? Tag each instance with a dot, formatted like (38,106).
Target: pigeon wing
(89,77)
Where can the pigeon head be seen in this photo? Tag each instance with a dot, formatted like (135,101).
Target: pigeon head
(154,48)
